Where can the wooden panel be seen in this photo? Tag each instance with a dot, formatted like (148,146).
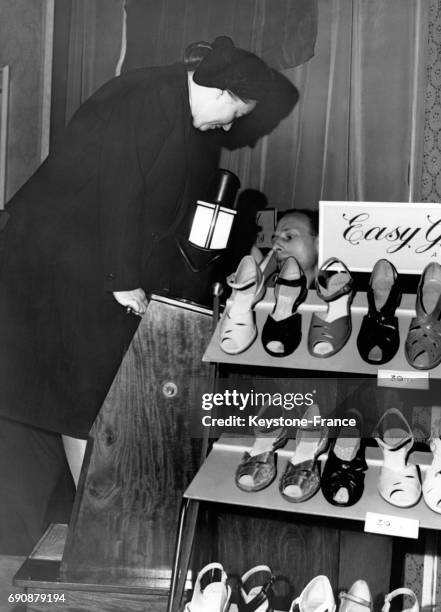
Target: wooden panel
(296,549)
(143,453)
(84,601)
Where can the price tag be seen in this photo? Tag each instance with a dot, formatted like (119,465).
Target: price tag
(391,525)
(403,379)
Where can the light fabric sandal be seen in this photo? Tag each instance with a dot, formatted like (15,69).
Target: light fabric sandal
(403,591)
(399,483)
(211,592)
(237,328)
(432,481)
(256,590)
(357,599)
(317,596)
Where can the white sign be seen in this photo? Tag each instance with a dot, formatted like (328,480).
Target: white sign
(361,233)
(403,379)
(391,525)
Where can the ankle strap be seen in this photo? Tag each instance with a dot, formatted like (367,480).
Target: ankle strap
(402,591)
(358,600)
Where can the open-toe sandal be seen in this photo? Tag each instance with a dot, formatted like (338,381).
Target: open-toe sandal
(317,596)
(423,342)
(357,599)
(282,331)
(399,482)
(237,328)
(432,480)
(211,592)
(342,480)
(329,332)
(415,607)
(301,479)
(378,339)
(257,469)
(256,590)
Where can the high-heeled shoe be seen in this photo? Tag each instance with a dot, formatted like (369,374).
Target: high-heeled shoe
(357,599)
(415,607)
(329,332)
(432,480)
(211,592)
(237,328)
(317,596)
(282,331)
(342,480)
(423,342)
(301,479)
(257,468)
(399,483)
(256,590)
(378,339)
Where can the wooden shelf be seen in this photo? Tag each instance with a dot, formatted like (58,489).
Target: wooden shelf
(346,360)
(215,483)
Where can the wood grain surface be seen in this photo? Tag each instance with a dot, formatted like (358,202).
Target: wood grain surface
(144,450)
(84,601)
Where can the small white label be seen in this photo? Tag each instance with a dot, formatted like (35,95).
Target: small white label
(391,525)
(403,379)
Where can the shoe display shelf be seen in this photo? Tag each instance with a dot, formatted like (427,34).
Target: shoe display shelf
(347,359)
(214,483)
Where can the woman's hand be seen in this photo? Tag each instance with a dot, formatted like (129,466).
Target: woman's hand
(135,300)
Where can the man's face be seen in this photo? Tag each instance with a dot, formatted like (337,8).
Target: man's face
(220,110)
(293,237)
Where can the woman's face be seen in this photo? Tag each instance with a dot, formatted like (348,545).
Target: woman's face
(219,109)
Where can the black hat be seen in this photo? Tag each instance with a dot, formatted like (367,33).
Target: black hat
(228,68)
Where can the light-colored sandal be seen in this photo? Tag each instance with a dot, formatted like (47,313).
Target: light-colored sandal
(237,328)
(357,599)
(256,589)
(211,592)
(403,591)
(399,483)
(432,481)
(317,596)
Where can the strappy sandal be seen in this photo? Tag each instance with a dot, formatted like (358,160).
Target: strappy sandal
(415,607)
(282,332)
(378,339)
(329,332)
(423,343)
(256,590)
(211,592)
(256,471)
(356,599)
(317,596)
(301,479)
(342,481)
(399,483)
(432,481)
(237,329)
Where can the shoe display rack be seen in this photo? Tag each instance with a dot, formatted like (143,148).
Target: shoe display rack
(347,359)
(214,483)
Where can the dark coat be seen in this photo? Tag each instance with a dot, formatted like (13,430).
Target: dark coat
(86,224)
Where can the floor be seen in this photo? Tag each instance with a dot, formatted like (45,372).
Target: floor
(8,567)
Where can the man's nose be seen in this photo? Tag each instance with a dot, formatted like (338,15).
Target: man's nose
(227,127)
(277,246)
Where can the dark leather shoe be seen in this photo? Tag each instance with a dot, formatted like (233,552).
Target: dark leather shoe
(378,339)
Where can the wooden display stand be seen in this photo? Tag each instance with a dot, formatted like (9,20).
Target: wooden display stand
(143,451)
